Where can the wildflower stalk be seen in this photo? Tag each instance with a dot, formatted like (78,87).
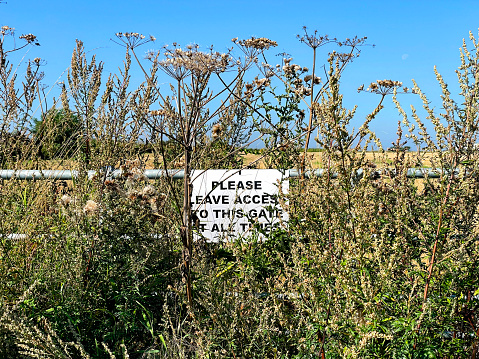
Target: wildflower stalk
(434,249)
(187,227)
(310,123)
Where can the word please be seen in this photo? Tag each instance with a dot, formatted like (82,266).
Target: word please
(231,185)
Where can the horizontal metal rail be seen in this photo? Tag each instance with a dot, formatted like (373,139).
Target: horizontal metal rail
(71,174)
(179,174)
(411,173)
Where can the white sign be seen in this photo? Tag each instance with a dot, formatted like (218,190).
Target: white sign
(228,203)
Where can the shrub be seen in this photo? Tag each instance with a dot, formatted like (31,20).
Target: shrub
(57,134)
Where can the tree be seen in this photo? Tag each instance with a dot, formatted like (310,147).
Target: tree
(57,133)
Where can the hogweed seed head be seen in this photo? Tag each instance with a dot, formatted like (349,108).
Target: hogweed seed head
(28,37)
(180,63)
(383,87)
(260,43)
(132,39)
(7,30)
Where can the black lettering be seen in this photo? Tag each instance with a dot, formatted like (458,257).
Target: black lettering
(203,213)
(223,199)
(257,184)
(267,227)
(199,199)
(215,228)
(223,229)
(262,213)
(244,226)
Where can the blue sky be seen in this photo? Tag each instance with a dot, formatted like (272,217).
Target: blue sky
(410,37)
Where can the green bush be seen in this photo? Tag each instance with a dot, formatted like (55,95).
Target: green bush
(57,134)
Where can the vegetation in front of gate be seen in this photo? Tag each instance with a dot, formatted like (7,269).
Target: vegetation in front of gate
(370,266)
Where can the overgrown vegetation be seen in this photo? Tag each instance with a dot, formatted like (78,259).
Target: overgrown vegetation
(371,266)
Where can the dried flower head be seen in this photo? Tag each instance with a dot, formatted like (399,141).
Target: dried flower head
(179,63)
(249,90)
(28,37)
(298,82)
(314,40)
(7,30)
(382,87)
(303,91)
(151,54)
(216,131)
(260,43)
(264,82)
(66,200)
(148,191)
(291,70)
(317,80)
(132,39)
(91,207)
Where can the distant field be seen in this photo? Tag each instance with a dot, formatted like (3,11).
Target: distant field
(314,158)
